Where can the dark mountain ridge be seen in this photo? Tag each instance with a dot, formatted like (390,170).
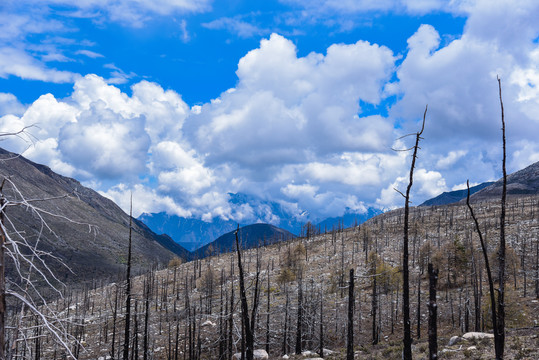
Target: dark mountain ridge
(250,236)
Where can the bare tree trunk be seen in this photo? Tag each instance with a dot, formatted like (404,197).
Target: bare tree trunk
(300,316)
(285,336)
(350,337)
(407,350)
(128,289)
(231,323)
(2,275)
(433,315)
(537,268)
(268,313)
(114,318)
(146,318)
(489,273)
(249,323)
(374,307)
(418,306)
(321,346)
(500,344)
(221,321)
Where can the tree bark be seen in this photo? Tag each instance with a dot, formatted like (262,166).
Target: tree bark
(350,337)
(489,274)
(407,340)
(128,288)
(433,313)
(321,346)
(500,344)
(2,275)
(249,324)
(300,317)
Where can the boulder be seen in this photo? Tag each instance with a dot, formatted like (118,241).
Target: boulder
(260,354)
(477,336)
(257,354)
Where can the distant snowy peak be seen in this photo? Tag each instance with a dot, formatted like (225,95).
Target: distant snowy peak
(194,233)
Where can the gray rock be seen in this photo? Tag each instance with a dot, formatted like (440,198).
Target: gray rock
(454,340)
(477,336)
(257,354)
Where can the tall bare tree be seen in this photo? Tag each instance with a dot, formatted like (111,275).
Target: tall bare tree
(128,288)
(407,338)
(501,249)
(248,320)
(350,336)
(433,313)
(497,308)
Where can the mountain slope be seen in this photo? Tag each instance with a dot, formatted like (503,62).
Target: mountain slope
(522,182)
(94,243)
(450,197)
(249,236)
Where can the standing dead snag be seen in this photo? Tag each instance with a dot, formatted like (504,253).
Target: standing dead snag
(433,313)
(2,273)
(489,273)
(299,327)
(501,252)
(249,321)
(128,290)
(407,340)
(498,315)
(350,337)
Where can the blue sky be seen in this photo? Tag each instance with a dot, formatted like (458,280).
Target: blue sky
(294,101)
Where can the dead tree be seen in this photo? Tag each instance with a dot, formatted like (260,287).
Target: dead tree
(498,315)
(321,344)
(433,313)
(2,274)
(418,306)
(268,311)
(489,273)
(30,264)
(128,288)
(407,339)
(146,315)
(499,345)
(299,328)
(249,320)
(350,336)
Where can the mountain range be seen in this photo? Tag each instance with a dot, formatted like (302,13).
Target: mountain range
(193,233)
